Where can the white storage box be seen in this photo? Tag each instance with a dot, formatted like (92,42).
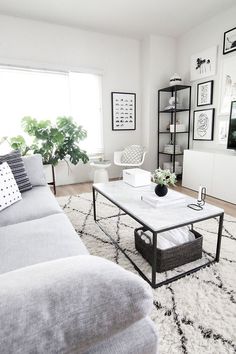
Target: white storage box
(137,177)
(179,128)
(169,166)
(169,149)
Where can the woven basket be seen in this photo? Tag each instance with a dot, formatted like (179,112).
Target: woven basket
(171,257)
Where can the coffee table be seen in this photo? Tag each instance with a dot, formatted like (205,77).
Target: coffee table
(156,220)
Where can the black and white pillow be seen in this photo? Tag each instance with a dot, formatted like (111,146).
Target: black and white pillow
(132,154)
(9,191)
(17,166)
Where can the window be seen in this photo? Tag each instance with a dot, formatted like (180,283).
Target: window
(48,94)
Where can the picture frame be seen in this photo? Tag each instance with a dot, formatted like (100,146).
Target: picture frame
(227,85)
(203,64)
(123,106)
(203,124)
(205,93)
(229,44)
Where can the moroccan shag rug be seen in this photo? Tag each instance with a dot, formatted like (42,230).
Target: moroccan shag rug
(194,315)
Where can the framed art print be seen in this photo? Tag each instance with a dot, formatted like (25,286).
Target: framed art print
(203,64)
(203,124)
(204,93)
(229,41)
(123,106)
(227,85)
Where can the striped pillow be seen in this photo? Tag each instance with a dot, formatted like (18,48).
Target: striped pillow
(17,166)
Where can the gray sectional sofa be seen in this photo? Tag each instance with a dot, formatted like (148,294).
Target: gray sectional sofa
(54,296)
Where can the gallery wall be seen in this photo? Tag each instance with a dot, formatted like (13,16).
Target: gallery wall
(117,59)
(206,35)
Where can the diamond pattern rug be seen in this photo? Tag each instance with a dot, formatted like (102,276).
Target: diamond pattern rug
(196,314)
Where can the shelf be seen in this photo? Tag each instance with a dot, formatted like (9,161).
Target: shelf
(168,132)
(173,110)
(174,88)
(165,153)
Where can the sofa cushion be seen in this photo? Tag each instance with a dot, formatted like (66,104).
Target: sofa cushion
(36,203)
(16,164)
(9,191)
(39,240)
(34,169)
(68,305)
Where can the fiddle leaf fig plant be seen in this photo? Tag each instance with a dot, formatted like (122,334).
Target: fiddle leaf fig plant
(54,142)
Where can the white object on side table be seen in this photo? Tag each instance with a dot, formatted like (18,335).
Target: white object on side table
(100,172)
(137,177)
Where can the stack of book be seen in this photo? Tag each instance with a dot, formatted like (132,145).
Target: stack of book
(171,198)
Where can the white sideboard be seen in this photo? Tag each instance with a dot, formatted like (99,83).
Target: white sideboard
(214,170)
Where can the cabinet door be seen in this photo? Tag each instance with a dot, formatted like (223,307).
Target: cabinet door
(224,177)
(197,170)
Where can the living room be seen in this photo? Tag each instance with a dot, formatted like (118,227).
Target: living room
(98,99)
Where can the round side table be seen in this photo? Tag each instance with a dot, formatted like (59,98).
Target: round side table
(100,171)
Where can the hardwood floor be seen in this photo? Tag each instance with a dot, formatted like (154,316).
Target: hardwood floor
(79,188)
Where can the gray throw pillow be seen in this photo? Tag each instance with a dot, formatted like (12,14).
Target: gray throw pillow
(69,305)
(34,168)
(132,154)
(16,164)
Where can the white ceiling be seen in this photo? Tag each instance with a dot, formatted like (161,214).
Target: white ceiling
(134,18)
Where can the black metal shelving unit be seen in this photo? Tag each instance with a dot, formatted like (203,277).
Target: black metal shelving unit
(173,90)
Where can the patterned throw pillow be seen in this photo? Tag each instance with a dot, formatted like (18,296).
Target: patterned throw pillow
(17,166)
(9,191)
(133,154)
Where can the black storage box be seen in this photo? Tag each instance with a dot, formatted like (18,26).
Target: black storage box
(171,257)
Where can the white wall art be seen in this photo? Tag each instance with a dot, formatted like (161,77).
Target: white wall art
(229,41)
(205,93)
(228,85)
(223,131)
(123,111)
(203,64)
(203,124)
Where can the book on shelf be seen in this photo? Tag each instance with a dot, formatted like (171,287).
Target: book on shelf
(171,198)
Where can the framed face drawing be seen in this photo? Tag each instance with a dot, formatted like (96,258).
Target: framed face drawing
(123,106)
(229,41)
(205,93)
(203,124)
(203,64)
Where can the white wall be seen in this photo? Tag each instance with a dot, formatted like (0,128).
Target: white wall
(206,35)
(158,64)
(39,44)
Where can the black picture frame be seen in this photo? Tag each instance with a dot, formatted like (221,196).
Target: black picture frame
(205,130)
(123,109)
(211,87)
(233,47)
(230,143)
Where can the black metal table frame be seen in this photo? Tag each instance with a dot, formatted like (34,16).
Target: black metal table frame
(155,233)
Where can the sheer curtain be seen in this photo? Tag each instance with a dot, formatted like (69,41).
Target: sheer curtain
(48,94)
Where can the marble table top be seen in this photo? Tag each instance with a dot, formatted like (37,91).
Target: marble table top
(128,198)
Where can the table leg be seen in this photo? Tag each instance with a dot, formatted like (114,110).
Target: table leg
(94,205)
(221,219)
(154,259)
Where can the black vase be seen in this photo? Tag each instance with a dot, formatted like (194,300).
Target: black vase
(160,190)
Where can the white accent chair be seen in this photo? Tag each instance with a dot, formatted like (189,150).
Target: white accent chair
(117,161)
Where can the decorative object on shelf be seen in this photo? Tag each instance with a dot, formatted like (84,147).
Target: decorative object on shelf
(228,85)
(163,178)
(123,106)
(203,124)
(229,41)
(175,80)
(172,101)
(205,93)
(169,148)
(200,200)
(223,131)
(203,64)
(179,128)
(169,166)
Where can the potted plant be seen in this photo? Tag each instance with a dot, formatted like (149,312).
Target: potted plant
(54,142)
(163,178)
